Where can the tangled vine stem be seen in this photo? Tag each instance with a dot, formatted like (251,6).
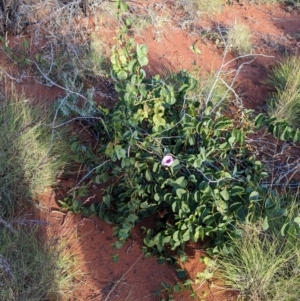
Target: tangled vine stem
(281,160)
(88,174)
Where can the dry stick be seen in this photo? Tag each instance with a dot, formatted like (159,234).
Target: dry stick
(124,275)
(55,116)
(230,87)
(88,175)
(285,171)
(52,125)
(64,99)
(7,225)
(223,64)
(18,80)
(55,84)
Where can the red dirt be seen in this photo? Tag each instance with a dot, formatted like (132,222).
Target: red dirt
(133,277)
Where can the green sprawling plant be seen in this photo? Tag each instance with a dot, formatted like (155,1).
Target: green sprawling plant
(166,151)
(31,154)
(285,101)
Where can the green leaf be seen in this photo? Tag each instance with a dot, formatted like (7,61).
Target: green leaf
(286,134)
(231,140)
(122,75)
(284,229)
(175,207)
(76,206)
(133,218)
(197,196)
(106,199)
(265,224)
(297,136)
(120,152)
(124,6)
(223,123)
(225,195)
(156,167)
(141,50)
(161,260)
(239,136)
(85,211)
(260,120)
(101,211)
(128,21)
(297,220)
(115,258)
(148,175)
(123,59)
(156,197)
(142,73)
(199,233)
(181,274)
(142,55)
(131,66)
(235,207)
(176,288)
(254,196)
(165,285)
(222,206)
(183,87)
(143,91)
(192,84)
(186,235)
(108,218)
(93,208)
(237,190)
(74,146)
(143,61)
(118,244)
(180,192)
(181,182)
(176,237)
(158,120)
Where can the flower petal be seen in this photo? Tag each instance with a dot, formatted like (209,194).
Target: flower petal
(167,160)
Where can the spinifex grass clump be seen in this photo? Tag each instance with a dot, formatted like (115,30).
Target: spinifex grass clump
(238,39)
(262,262)
(26,267)
(33,270)
(261,266)
(285,102)
(31,155)
(202,7)
(210,7)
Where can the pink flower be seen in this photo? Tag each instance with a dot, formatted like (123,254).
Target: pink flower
(167,160)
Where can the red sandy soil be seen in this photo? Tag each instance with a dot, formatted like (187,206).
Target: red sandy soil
(134,277)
